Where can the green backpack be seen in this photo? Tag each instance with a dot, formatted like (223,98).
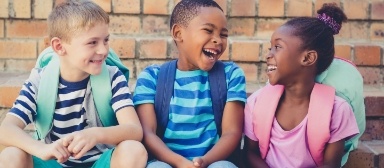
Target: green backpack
(48,87)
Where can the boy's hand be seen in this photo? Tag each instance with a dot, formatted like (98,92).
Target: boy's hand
(80,142)
(198,162)
(55,150)
(185,164)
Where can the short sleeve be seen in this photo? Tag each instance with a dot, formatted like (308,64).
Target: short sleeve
(343,122)
(121,95)
(235,82)
(146,85)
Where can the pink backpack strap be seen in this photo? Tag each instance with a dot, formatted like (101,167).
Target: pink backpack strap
(264,113)
(319,120)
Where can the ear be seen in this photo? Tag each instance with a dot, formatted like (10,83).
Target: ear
(309,58)
(176,33)
(57,46)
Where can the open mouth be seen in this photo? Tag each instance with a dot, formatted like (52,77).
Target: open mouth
(211,54)
(271,68)
(96,61)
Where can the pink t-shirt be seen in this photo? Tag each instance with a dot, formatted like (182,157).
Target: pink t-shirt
(290,148)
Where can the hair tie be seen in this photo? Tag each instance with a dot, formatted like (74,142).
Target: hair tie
(330,22)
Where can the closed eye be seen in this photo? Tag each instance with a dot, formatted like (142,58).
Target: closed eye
(208,30)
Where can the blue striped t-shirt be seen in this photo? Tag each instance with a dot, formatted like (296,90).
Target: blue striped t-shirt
(70,114)
(191,130)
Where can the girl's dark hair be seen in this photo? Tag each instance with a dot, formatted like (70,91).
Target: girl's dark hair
(186,10)
(317,33)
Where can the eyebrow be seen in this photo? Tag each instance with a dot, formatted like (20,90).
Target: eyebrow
(92,38)
(212,25)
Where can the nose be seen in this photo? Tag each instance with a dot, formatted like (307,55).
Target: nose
(103,49)
(269,55)
(217,40)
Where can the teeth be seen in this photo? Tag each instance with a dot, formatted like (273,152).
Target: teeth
(210,51)
(271,68)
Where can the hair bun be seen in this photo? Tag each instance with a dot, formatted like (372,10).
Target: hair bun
(332,16)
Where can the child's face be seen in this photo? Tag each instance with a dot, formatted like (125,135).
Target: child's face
(86,51)
(203,41)
(284,58)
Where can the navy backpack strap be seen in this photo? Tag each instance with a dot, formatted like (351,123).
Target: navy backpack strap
(218,87)
(164,92)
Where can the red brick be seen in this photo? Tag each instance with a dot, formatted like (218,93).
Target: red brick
(343,51)
(377,11)
(4,4)
(26,29)
(157,25)
(245,51)
(243,8)
(262,76)
(8,95)
(2,28)
(223,5)
(241,26)
(250,71)
(17,49)
(18,65)
(371,75)
(155,7)
(124,25)
(140,65)
(105,4)
(374,130)
(353,30)
(126,6)
(22,8)
(153,48)
(377,32)
(367,55)
(124,47)
(374,106)
(361,157)
(42,8)
(299,8)
(271,8)
(43,44)
(130,64)
(57,2)
(356,9)
(265,28)
(173,51)
(265,50)
(319,4)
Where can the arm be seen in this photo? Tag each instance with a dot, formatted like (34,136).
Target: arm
(232,126)
(333,154)
(129,128)
(252,154)
(154,144)
(13,134)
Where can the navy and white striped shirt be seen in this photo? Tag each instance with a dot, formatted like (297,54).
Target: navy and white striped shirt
(69,115)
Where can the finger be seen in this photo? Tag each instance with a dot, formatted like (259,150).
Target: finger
(197,161)
(79,146)
(84,150)
(67,140)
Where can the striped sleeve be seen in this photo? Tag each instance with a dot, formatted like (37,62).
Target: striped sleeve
(24,107)
(146,85)
(121,96)
(235,82)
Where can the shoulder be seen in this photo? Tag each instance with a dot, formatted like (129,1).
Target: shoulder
(150,71)
(231,67)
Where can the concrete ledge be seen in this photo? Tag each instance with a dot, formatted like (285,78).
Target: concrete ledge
(368,154)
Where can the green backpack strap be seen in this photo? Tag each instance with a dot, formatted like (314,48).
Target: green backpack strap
(48,87)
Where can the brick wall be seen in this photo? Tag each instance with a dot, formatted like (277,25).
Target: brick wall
(140,35)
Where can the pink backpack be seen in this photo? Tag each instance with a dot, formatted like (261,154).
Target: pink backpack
(319,118)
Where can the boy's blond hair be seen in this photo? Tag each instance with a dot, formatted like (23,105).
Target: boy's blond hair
(73,16)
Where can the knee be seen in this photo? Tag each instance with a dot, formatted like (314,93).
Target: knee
(131,153)
(222,164)
(15,157)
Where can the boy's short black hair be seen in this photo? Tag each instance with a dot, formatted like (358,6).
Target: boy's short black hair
(186,10)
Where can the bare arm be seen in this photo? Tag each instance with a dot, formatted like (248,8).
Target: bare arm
(154,144)
(232,128)
(252,154)
(333,154)
(13,134)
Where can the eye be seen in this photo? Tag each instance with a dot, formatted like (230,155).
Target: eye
(93,42)
(224,35)
(208,30)
(106,40)
(269,49)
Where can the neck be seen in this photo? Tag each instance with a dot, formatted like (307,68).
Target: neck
(299,92)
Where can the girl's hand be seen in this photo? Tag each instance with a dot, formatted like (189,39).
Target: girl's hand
(80,142)
(55,150)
